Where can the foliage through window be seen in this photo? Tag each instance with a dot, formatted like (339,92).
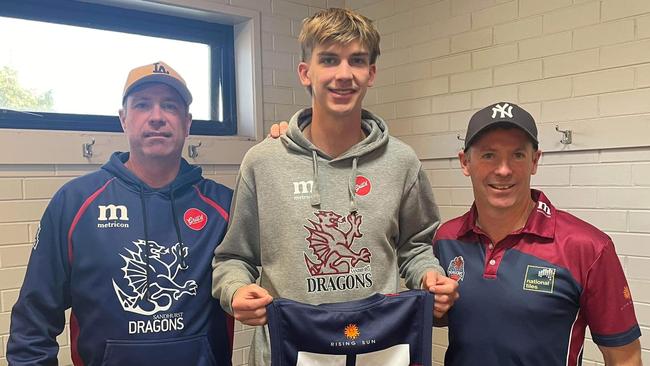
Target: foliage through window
(63,64)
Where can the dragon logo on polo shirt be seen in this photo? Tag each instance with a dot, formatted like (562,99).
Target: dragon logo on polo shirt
(539,279)
(456,269)
(333,261)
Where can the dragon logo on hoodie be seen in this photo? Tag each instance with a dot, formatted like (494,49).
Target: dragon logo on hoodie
(151,278)
(331,239)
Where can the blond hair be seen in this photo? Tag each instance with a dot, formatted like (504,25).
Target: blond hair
(338,26)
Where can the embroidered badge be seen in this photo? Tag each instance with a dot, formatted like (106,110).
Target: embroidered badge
(539,279)
(456,269)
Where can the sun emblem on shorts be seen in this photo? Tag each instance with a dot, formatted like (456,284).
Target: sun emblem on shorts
(351,331)
(626,293)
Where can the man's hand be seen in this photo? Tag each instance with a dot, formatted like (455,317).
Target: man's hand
(249,304)
(445,291)
(278,129)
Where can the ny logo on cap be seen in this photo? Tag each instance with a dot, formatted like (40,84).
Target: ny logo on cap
(159,69)
(503,110)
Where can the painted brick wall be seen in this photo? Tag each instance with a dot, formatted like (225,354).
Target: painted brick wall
(442,60)
(25,190)
(563,60)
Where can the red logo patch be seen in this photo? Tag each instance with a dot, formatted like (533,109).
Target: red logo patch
(195,219)
(362,186)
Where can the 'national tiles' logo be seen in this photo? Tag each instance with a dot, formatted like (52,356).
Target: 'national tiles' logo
(539,279)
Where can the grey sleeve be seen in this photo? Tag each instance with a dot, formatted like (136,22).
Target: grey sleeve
(418,221)
(236,259)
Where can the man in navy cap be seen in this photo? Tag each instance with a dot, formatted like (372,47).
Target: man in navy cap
(531,277)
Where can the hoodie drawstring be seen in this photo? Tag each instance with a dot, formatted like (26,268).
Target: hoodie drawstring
(315,190)
(178,231)
(352,183)
(146,242)
(146,238)
(352,186)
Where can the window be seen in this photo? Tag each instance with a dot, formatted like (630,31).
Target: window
(64,63)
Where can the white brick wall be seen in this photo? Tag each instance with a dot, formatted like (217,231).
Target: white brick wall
(25,190)
(442,60)
(585,61)
(495,56)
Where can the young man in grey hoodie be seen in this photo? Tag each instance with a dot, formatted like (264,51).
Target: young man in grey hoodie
(337,209)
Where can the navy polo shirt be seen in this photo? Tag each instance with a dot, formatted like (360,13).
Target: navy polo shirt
(528,299)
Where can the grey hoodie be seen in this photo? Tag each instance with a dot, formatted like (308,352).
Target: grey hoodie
(326,229)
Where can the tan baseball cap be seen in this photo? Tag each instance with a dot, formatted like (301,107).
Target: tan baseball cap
(157,72)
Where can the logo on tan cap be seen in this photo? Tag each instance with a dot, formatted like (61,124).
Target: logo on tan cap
(159,68)
(158,72)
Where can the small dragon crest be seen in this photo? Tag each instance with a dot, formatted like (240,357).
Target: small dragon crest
(330,240)
(456,269)
(163,290)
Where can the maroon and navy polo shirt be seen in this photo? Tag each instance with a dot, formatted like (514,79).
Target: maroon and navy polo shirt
(528,299)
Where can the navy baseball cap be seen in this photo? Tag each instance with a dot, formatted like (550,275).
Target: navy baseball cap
(502,112)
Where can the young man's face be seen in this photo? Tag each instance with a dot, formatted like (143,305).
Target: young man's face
(339,76)
(500,164)
(156,122)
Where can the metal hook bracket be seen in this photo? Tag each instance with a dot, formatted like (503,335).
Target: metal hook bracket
(193,150)
(460,138)
(87,148)
(567,135)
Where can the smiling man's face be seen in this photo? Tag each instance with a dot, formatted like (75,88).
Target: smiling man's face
(500,164)
(339,76)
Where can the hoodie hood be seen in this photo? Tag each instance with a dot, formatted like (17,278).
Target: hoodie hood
(187,174)
(374,128)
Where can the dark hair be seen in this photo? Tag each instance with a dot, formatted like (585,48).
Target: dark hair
(145,85)
(501,126)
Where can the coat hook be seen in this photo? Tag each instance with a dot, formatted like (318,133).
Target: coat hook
(460,138)
(567,135)
(87,148)
(193,150)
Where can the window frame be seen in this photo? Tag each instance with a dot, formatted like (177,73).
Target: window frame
(98,16)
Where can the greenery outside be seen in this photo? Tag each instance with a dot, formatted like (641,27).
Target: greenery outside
(14,96)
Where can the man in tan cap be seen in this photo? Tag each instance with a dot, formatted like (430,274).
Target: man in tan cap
(128,249)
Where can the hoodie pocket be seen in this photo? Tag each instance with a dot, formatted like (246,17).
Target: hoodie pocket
(193,350)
